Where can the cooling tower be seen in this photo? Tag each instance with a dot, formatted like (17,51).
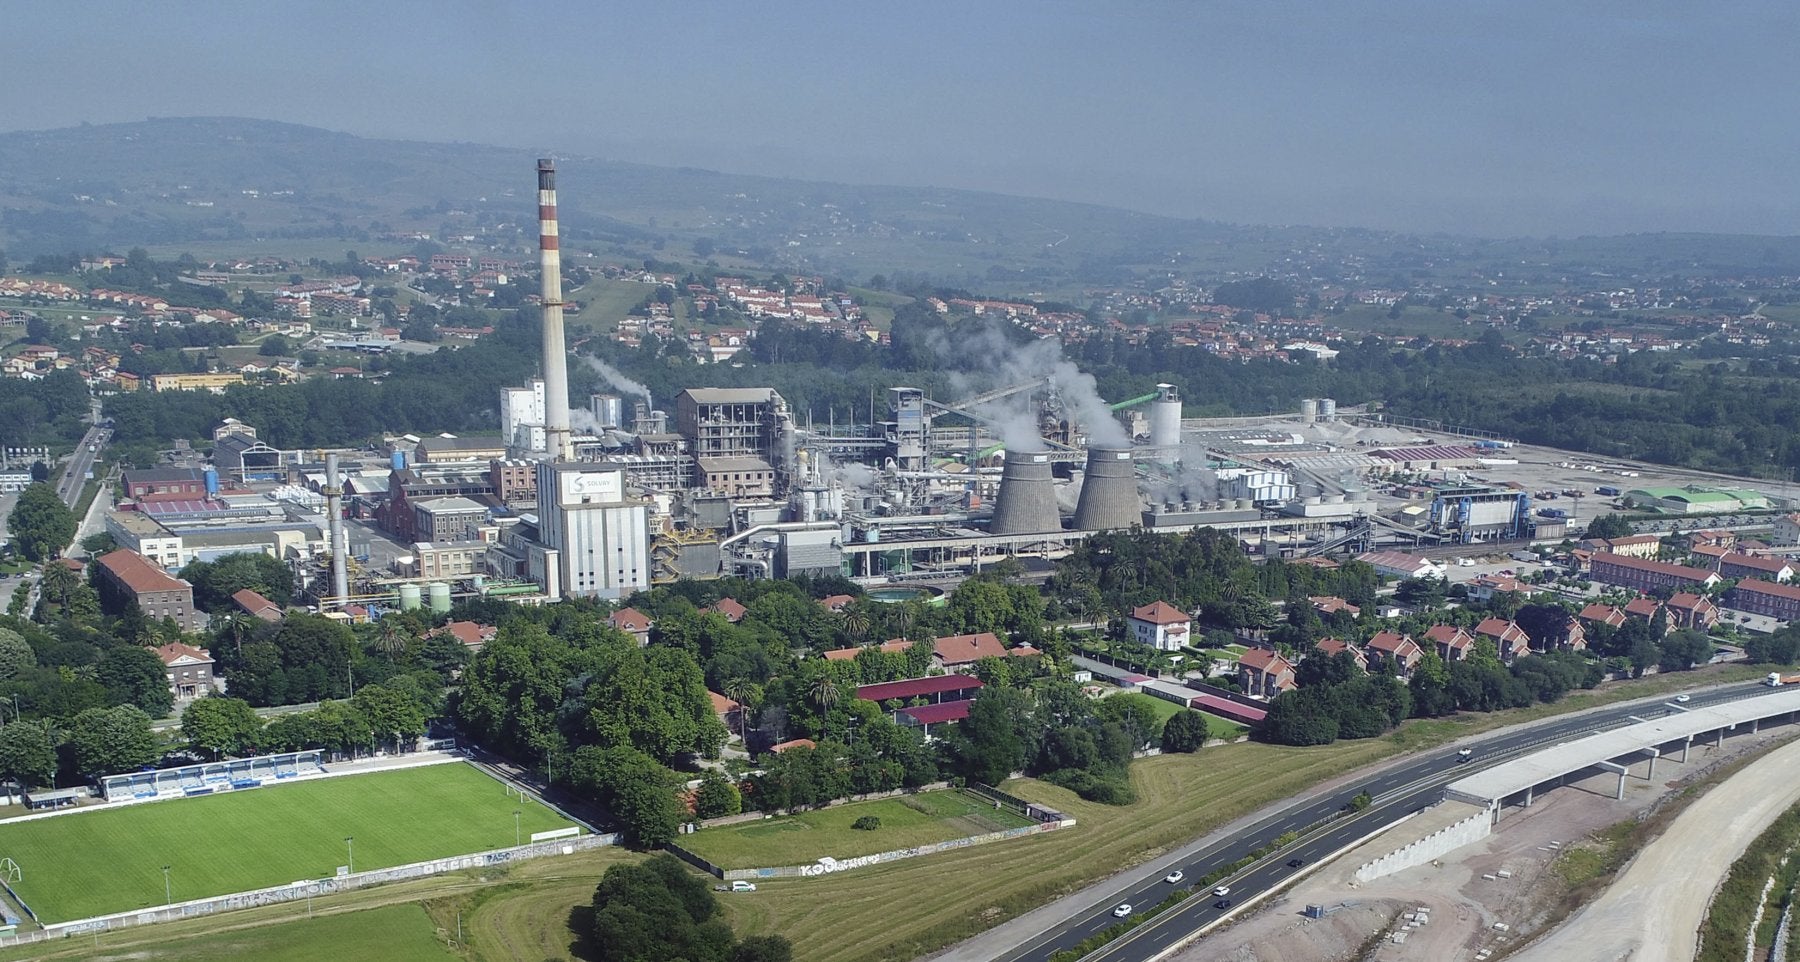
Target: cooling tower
(1109,495)
(1027,497)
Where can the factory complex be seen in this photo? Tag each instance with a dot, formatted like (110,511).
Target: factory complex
(606,499)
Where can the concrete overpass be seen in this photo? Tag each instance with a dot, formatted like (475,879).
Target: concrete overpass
(1621,749)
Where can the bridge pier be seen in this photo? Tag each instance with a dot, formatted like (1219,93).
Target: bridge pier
(1655,753)
(1622,771)
(1686,744)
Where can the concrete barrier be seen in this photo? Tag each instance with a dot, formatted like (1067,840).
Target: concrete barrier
(831,866)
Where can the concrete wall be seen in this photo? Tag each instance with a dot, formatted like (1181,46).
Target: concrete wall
(1465,831)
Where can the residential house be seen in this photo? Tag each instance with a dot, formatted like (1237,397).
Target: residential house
(729,712)
(1160,625)
(1400,649)
(1331,647)
(959,653)
(837,603)
(1639,574)
(1264,673)
(472,634)
(255,605)
(729,607)
(632,622)
(1756,566)
(1786,531)
(1509,639)
(1645,608)
(1688,610)
(1599,614)
(1451,642)
(190,670)
(1570,634)
(1327,605)
(1768,598)
(1485,587)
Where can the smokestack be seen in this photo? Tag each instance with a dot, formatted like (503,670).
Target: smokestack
(1027,497)
(556,354)
(334,498)
(1109,496)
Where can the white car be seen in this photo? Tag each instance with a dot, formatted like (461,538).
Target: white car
(1175,876)
(741,886)
(1681,698)
(1123,910)
(1222,890)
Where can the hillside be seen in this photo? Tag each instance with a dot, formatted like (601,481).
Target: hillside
(218,185)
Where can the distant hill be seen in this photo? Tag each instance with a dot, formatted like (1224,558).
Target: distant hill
(216,184)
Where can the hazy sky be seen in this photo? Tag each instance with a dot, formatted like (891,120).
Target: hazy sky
(1524,116)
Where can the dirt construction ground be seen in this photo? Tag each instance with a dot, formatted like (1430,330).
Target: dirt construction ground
(1489,899)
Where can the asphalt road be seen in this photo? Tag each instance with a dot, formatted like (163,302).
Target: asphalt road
(1397,791)
(74,476)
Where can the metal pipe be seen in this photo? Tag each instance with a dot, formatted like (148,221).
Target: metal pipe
(556,353)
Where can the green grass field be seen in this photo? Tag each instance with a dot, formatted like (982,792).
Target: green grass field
(802,839)
(394,933)
(110,860)
(1216,727)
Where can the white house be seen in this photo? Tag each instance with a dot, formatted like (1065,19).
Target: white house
(1161,626)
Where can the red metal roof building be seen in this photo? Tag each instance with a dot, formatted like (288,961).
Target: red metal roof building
(934,689)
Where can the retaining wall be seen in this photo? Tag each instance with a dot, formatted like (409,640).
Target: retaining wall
(1464,831)
(829,865)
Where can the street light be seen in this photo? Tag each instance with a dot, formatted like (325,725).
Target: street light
(168,899)
(350,849)
(515,828)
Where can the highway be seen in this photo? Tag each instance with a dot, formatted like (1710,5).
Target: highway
(1397,791)
(74,476)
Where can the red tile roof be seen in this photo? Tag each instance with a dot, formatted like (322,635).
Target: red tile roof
(252,603)
(175,650)
(471,634)
(964,649)
(1227,708)
(629,620)
(1160,613)
(137,574)
(1773,588)
(915,687)
(721,704)
(1266,661)
(947,711)
(793,743)
(728,607)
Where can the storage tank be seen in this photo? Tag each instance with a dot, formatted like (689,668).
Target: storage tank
(409,597)
(1109,497)
(1165,417)
(1327,409)
(212,482)
(1243,504)
(439,593)
(1027,496)
(1309,410)
(397,460)
(609,410)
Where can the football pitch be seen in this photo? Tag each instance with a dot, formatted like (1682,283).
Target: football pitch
(111,860)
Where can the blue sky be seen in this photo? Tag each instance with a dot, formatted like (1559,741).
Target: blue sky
(1525,117)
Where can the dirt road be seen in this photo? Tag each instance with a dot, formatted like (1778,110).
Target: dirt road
(1652,913)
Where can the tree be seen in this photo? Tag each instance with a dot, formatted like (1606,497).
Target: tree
(135,676)
(117,739)
(394,715)
(28,753)
(1609,526)
(991,745)
(41,525)
(763,948)
(635,787)
(1682,650)
(716,797)
(15,653)
(216,581)
(40,471)
(222,726)
(1185,731)
(275,345)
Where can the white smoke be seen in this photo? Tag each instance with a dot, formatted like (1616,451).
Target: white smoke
(1015,417)
(617,380)
(584,422)
(859,478)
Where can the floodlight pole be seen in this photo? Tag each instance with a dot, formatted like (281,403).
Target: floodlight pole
(168,899)
(350,849)
(515,828)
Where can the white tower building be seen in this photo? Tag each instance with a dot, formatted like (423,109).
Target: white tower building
(600,534)
(522,416)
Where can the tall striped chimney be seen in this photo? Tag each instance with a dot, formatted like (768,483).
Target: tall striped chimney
(556,354)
